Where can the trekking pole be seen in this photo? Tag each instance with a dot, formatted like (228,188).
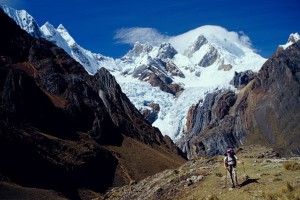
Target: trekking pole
(245,177)
(226,179)
(244,168)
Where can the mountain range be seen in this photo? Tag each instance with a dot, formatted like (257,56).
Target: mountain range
(63,108)
(62,129)
(164,80)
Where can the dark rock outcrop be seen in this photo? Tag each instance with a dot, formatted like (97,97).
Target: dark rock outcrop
(158,71)
(205,119)
(241,79)
(61,128)
(166,51)
(201,40)
(266,111)
(277,106)
(151,114)
(159,74)
(209,58)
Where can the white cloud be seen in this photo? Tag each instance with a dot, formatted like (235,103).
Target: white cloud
(142,35)
(245,39)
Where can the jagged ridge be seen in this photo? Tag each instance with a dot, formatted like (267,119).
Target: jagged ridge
(63,129)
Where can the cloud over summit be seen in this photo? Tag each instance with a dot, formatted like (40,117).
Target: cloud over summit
(142,35)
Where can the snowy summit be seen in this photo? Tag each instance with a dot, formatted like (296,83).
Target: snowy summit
(204,60)
(165,77)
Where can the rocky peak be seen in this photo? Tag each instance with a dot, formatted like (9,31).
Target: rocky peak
(165,51)
(294,37)
(48,29)
(24,19)
(139,49)
(61,28)
(65,34)
(209,58)
(52,35)
(201,40)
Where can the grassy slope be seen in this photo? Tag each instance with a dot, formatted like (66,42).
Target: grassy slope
(13,191)
(138,161)
(267,178)
(205,179)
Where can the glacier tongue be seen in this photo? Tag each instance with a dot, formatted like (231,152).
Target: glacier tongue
(199,61)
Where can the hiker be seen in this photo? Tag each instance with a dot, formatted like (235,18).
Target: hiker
(230,161)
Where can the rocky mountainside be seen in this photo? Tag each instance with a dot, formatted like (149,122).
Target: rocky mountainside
(163,79)
(64,130)
(265,111)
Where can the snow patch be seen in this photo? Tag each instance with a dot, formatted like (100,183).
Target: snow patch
(294,37)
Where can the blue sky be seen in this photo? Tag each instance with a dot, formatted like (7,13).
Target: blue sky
(95,23)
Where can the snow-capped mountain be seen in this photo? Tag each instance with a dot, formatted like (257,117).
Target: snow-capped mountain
(174,74)
(202,60)
(24,20)
(294,37)
(91,61)
(60,36)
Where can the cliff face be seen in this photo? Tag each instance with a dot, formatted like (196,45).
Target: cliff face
(276,115)
(58,124)
(265,111)
(210,126)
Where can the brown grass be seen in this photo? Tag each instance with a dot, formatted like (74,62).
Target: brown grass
(291,166)
(14,191)
(267,181)
(218,174)
(289,192)
(139,161)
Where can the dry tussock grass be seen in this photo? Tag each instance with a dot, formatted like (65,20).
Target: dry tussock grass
(291,166)
(289,192)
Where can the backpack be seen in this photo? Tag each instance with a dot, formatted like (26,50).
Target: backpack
(233,161)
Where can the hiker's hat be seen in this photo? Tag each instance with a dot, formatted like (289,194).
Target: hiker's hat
(230,150)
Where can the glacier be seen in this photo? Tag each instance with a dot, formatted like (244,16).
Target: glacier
(199,61)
